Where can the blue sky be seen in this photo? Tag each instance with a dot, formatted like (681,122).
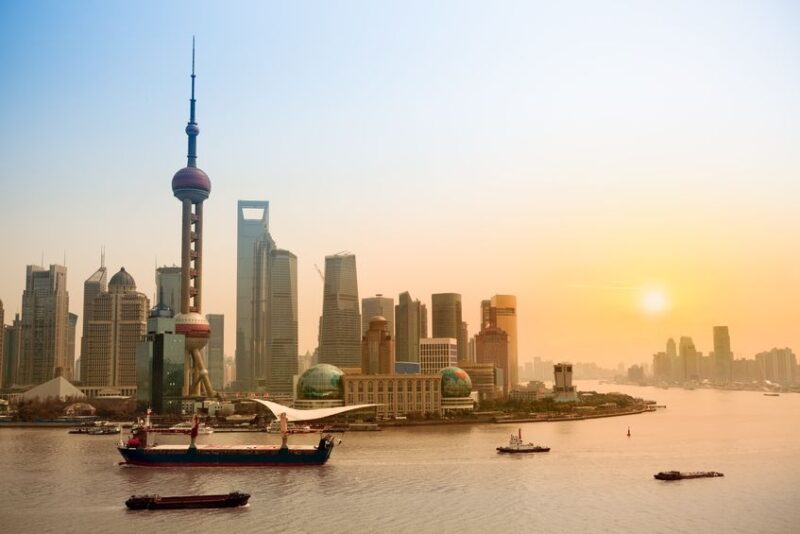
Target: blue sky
(511,147)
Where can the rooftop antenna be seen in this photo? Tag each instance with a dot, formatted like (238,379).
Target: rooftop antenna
(103,257)
(191,129)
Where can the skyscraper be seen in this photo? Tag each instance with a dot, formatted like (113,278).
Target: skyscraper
(215,351)
(423,320)
(160,363)
(463,341)
(723,357)
(687,354)
(252,252)
(45,309)
(116,326)
(192,187)
(778,365)
(340,325)
(563,390)
(2,344)
(12,353)
(672,351)
(262,256)
(377,348)
(168,286)
(377,306)
(282,315)
(675,363)
(504,313)
(662,366)
(72,327)
(410,320)
(491,346)
(93,286)
(447,319)
(436,353)
(488,318)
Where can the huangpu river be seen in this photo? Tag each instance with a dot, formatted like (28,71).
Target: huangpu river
(447,478)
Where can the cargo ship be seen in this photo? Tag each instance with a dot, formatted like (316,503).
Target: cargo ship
(141,450)
(678,475)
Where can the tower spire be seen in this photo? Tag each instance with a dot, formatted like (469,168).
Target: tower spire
(191,128)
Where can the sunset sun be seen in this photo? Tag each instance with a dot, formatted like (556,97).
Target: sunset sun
(653,301)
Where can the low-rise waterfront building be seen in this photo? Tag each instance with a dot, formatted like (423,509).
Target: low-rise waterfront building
(320,387)
(530,392)
(396,395)
(456,391)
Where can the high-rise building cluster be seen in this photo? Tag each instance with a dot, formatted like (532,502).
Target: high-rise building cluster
(124,344)
(682,362)
(266,305)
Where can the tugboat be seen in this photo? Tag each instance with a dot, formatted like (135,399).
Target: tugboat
(678,475)
(515,445)
(157,502)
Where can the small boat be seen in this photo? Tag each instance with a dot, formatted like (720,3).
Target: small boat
(679,475)
(772,394)
(95,430)
(186,427)
(157,502)
(515,445)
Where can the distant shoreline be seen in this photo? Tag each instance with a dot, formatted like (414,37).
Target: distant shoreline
(502,421)
(396,424)
(691,387)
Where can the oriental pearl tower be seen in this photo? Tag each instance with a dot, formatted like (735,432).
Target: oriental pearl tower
(191,186)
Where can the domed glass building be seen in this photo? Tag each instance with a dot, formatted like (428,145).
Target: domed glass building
(456,390)
(320,387)
(455,382)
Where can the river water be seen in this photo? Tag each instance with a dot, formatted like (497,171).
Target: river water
(448,479)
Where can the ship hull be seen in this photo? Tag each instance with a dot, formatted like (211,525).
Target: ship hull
(508,450)
(676,475)
(210,456)
(156,502)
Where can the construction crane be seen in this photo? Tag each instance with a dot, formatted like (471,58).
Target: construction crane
(320,273)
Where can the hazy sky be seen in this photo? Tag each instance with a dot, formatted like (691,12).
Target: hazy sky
(584,156)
